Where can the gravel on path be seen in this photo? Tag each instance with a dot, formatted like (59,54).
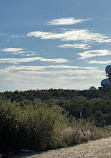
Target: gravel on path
(93,149)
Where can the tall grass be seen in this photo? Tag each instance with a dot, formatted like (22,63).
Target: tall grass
(82,132)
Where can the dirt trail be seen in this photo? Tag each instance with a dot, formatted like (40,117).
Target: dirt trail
(93,149)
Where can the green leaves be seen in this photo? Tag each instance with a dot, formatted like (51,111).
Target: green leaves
(35,126)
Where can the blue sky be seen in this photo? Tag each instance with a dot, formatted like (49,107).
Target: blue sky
(54,43)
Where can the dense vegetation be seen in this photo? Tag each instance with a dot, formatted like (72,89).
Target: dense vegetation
(48,119)
(93,105)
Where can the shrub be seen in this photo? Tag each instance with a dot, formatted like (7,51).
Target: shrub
(35,126)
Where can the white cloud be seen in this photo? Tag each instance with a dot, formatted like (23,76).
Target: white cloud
(99,62)
(59,60)
(12,49)
(50,67)
(94,53)
(76,73)
(56,70)
(44,70)
(17,36)
(33,77)
(26,53)
(72,35)
(20,60)
(79,46)
(70,67)
(19,51)
(66,21)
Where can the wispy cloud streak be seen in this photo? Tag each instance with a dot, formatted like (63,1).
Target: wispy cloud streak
(94,53)
(79,46)
(72,35)
(21,60)
(66,21)
(99,62)
(53,76)
(17,36)
(44,70)
(12,49)
(49,67)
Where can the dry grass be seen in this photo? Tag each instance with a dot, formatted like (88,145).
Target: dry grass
(82,133)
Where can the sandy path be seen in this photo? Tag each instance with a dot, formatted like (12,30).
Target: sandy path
(93,149)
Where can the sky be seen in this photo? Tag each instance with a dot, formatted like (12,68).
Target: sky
(60,44)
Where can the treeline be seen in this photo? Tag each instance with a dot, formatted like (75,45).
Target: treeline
(48,119)
(52,93)
(93,105)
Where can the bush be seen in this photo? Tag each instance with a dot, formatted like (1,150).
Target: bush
(35,126)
